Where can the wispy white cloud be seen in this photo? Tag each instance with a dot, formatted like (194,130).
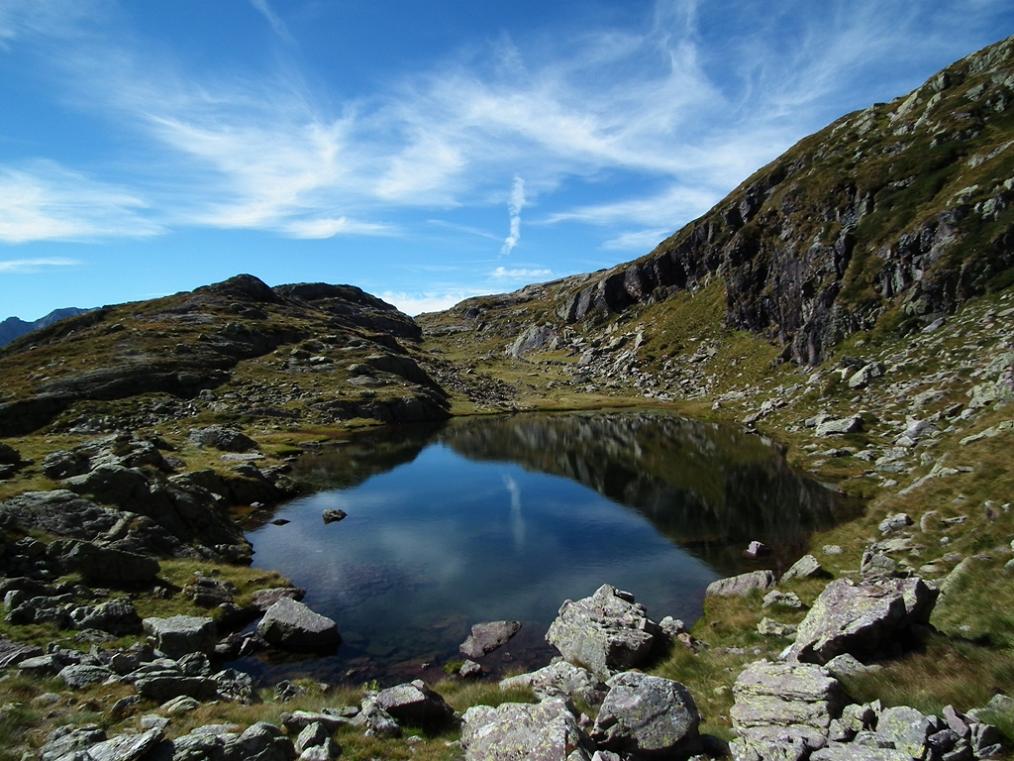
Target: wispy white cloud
(514,207)
(468,229)
(636,240)
(521,273)
(429,301)
(655,102)
(44,201)
(329,227)
(280,28)
(33,266)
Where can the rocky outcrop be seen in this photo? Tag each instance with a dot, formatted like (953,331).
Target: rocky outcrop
(177,636)
(606,632)
(783,710)
(865,618)
(415,704)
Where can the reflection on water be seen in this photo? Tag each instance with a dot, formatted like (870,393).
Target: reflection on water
(491,518)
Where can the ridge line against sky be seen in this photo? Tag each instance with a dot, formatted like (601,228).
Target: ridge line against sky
(425,151)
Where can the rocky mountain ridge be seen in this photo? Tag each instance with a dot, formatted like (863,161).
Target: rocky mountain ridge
(15,327)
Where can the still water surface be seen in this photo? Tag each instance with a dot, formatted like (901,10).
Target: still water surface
(504,518)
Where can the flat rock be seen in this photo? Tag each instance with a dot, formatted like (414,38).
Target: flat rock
(861,618)
(606,632)
(807,567)
(294,626)
(837,426)
(790,704)
(647,715)
(126,747)
(487,637)
(742,585)
(78,676)
(545,731)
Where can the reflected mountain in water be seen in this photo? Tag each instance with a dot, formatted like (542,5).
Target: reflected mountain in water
(708,487)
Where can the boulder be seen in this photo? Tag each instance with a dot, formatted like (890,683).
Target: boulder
(375,721)
(837,426)
(783,708)
(117,617)
(807,567)
(857,752)
(742,585)
(78,676)
(259,742)
(178,635)
(222,438)
(485,638)
(62,464)
(333,515)
(292,625)
(606,632)
(104,565)
(647,716)
(862,618)
(906,729)
(66,740)
(416,704)
(265,598)
(130,747)
(12,653)
(560,680)
(9,455)
(545,731)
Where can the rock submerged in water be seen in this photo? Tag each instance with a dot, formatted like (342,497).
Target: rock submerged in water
(606,632)
(294,626)
(487,637)
(333,515)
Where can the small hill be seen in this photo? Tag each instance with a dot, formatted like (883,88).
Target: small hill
(236,350)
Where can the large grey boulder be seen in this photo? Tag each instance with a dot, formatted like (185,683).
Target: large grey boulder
(786,706)
(294,626)
(836,426)
(66,740)
(862,619)
(126,747)
(560,680)
(487,637)
(259,742)
(606,632)
(177,636)
(80,675)
(647,716)
(416,704)
(742,585)
(807,567)
(545,731)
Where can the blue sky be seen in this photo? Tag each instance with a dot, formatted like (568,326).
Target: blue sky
(423,150)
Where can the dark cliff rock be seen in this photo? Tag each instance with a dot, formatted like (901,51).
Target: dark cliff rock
(905,206)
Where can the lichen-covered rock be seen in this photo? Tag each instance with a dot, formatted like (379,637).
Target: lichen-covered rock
(487,637)
(647,715)
(260,742)
(126,747)
(560,680)
(807,567)
(906,729)
(117,617)
(784,704)
(294,626)
(857,752)
(177,636)
(105,565)
(861,618)
(416,704)
(545,731)
(742,585)
(606,632)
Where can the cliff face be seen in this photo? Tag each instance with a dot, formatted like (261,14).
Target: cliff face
(902,206)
